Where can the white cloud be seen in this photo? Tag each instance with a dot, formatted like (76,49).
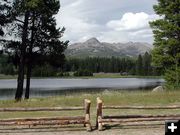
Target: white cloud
(131,27)
(120,22)
(77,3)
(78,27)
(132,21)
(144,32)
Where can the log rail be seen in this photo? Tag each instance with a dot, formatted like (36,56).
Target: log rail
(101,120)
(85,119)
(141,107)
(41,109)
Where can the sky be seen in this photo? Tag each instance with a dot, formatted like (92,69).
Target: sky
(107,20)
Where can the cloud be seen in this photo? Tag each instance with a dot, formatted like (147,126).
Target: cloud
(130,27)
(123,21)
(132,21)
(78,27)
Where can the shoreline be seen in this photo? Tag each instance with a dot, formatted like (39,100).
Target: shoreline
(96,76)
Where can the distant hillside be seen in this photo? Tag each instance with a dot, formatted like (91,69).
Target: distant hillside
(95,48)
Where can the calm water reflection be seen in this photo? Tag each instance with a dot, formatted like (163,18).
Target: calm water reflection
(51,87)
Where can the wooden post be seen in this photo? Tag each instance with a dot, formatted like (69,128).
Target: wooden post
(99,124)
(87,104)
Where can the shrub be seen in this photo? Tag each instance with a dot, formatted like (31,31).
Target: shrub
(83,73)
(61,74)
(66,74)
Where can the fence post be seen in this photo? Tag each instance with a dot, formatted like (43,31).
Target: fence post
(87,114)
(99,125)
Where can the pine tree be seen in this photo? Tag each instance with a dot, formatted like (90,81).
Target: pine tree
(20,9)
(146,64)
(139,66)
(166,52)
(44,37)
(33,22)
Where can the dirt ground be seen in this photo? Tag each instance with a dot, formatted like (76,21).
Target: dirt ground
(153,130)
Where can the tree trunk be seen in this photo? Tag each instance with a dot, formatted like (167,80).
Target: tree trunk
(29,63)
(20,80)
(28,81)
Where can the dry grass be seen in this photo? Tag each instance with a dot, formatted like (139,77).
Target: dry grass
(109,98)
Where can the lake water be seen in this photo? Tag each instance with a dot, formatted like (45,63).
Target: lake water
(52,87)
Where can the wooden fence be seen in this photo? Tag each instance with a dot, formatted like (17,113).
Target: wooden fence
(101,120)
(85,119)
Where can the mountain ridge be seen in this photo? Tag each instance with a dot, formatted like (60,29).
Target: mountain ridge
(94,48)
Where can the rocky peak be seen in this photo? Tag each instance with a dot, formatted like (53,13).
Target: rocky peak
(93,41)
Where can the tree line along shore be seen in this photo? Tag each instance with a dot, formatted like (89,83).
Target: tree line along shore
(139,66)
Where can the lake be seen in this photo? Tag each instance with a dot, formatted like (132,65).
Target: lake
(52,87)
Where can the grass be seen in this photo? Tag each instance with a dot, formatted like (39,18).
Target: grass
(118,75)
(109,98)
(2,76)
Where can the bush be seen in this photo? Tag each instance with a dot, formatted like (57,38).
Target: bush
(66,74)
(83,73)
(61,74)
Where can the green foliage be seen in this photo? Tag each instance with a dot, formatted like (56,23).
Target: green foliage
(139,65)
(172,77)
(44,71)
(166,52)
(63,74)
(84,72)
(8,70)
(132,66)
(144,67)
(147,64)
(4,6)
(6,67)
(97,64)
(47,70)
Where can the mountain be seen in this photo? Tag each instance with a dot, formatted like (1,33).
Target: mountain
(95,48)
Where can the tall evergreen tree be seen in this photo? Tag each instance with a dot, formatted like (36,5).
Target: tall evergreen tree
(146,64)
(33,22)
(44,37)
(166,52)
(139,65)
(21,8)
(14,11)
